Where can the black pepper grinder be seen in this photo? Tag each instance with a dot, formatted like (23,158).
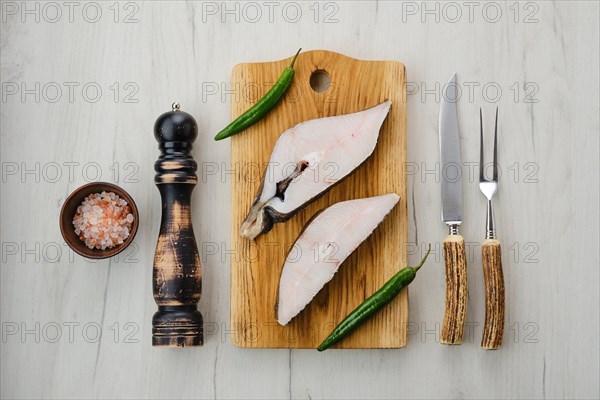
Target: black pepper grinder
(176,275)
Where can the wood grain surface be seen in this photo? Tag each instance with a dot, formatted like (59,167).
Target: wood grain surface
(546,211)
(354,85)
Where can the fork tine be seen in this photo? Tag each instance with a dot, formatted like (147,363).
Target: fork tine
(496,148)
(480,145)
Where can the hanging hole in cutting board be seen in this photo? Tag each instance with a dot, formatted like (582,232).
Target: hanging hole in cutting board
(319,81)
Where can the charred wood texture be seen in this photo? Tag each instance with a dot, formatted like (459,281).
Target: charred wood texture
(177,277)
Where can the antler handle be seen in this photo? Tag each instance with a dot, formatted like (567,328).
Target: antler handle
(456,290)
(493,329)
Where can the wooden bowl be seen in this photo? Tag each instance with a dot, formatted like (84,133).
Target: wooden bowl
(70,208)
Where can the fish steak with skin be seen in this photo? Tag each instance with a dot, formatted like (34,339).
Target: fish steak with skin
(325,242)
(308,160)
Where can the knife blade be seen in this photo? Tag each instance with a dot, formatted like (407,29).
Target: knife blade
(454,245)
(450,156)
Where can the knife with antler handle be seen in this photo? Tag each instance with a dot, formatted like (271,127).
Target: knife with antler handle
(454,244)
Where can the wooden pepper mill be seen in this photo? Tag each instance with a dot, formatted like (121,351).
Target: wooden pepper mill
(177,278)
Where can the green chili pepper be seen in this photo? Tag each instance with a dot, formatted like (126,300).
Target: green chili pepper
(263,106)
(383,296)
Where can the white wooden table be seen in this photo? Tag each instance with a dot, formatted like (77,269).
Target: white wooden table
(82,84)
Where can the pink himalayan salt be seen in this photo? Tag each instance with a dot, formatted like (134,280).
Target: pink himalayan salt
(103,220)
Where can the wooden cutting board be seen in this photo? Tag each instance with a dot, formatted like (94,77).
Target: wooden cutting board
(256,265)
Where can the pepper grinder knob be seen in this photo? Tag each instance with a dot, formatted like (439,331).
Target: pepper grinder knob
(176,274)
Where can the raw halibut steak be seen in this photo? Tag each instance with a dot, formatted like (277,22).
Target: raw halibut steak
(325,242)
(309,159)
